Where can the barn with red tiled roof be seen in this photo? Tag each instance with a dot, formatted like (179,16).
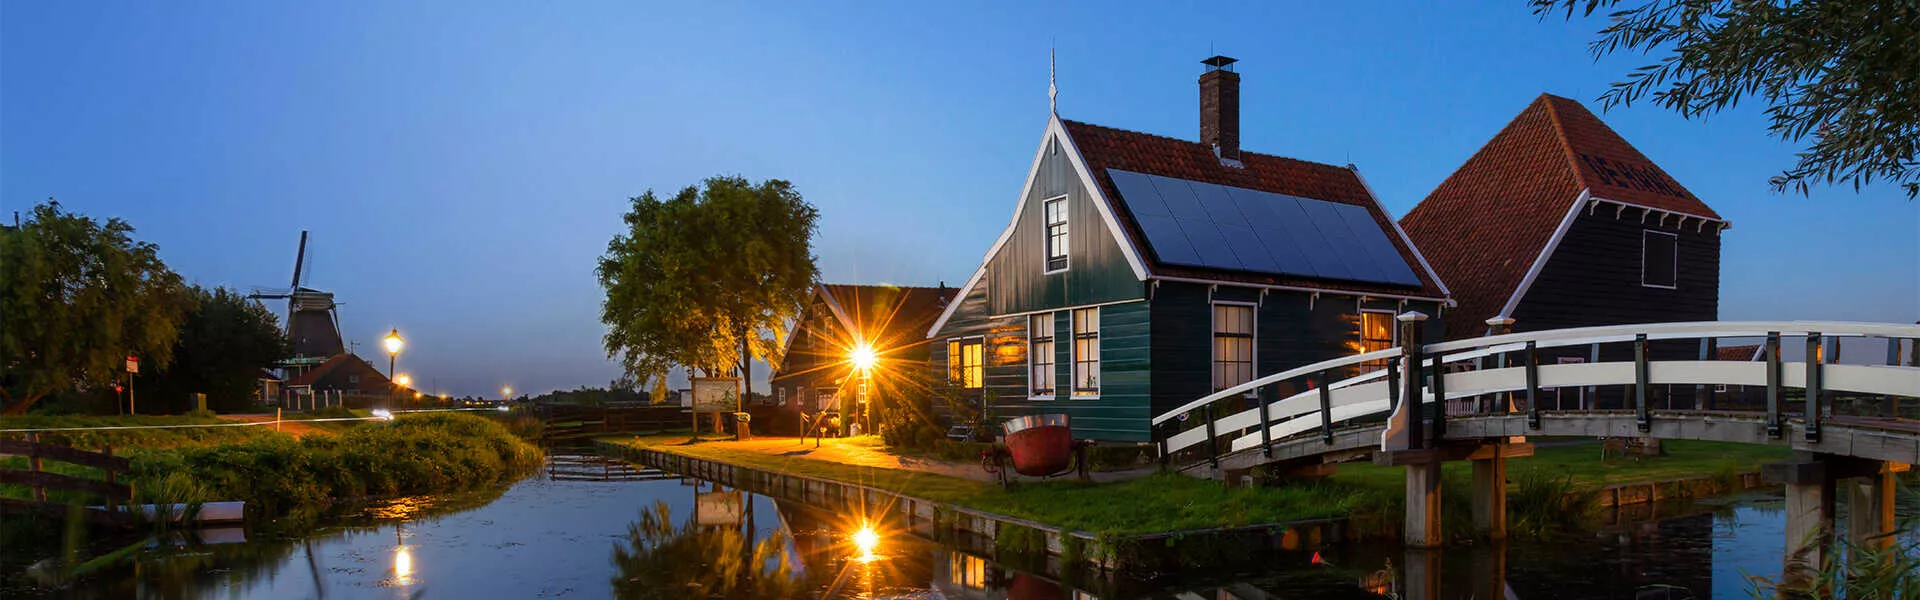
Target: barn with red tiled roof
(1140,272)
(1559,222)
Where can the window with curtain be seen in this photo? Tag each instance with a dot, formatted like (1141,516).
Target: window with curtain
(1232,345)
(1040,354)
(1056,210)
(1376,333)
(1086,352)
(964,363)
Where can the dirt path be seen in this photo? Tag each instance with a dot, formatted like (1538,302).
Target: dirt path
(290,427)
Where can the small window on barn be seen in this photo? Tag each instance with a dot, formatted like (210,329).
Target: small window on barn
(1232,345)
(353,379)
(1659,259)
(964,363)
(1040,355)
(1056,210)
(1086,352)
(1376,334)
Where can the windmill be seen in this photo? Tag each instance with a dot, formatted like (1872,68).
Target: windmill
(312,321)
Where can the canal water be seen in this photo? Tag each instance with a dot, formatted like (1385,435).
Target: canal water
(587,528)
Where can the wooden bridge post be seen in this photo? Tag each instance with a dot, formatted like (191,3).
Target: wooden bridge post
(1533,385)
(1641,417)
(1423,504)
(1890,404)
(1810,500)
(1815,387)
(1870,515)
(1773,384)
(1490,493)
(1411,346)
(1326,407)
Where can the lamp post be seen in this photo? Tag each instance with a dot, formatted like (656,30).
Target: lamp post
(506,394)
(864,358)
(394,343)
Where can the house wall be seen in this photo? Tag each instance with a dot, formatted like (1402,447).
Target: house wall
(1593,277)
(1096,272)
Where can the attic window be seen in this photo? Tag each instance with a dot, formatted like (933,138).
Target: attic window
(1659,259)
(1056,213)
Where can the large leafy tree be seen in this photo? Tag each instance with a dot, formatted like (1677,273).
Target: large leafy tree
(224,344)
(700,272)
(1840,75)
(77,296)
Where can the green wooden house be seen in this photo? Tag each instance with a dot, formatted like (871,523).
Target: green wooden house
(1140,272)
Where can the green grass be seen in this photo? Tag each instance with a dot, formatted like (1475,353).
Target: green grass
(1157,503)
(1684,459)
(135,438)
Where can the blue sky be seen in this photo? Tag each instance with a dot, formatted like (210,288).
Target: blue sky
(462,165)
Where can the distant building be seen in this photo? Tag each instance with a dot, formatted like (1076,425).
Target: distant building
(344,375)
(893,320)
(1141,272)
(1559,222)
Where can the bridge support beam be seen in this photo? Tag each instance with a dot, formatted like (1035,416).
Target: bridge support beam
(1870,507)
(1423,505)
(1490,494)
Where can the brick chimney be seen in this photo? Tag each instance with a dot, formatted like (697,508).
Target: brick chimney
(1220,108)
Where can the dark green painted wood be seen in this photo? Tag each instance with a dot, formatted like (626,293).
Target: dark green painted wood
(1097,271)
(1121,411)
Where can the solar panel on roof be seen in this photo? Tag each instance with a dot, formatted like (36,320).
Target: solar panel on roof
(1202,224)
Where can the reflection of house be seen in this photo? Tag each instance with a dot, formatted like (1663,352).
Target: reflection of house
(1140,272)
(892,320)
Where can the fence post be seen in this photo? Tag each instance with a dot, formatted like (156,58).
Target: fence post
(1815,387)
(1533,385)
(1773,384)
(1640,384)
(1439,397)
(33,464)
(112,478)
(1411,347)
(1326,408)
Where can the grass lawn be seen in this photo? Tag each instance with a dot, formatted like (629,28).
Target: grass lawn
(1156,503)
(1685,458)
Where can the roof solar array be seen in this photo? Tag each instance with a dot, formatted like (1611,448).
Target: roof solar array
(1202,224)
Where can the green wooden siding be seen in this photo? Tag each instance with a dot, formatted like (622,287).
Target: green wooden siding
(1121,412)
(1097,271)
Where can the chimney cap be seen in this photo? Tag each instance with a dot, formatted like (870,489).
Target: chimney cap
(1219,63)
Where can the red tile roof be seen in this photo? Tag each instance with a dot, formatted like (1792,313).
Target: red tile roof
(1108,148)
(1745,352)
(1482,228)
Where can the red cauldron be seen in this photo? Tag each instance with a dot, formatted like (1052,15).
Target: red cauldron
(1041,445)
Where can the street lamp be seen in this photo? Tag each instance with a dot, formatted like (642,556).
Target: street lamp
(863,356)
(506,393)
(403,380)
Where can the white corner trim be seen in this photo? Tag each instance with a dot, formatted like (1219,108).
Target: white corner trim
(1540,262)
(1403,236)
(1055,131)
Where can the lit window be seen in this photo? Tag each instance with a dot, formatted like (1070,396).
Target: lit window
(1376,334)
(1040,354)
(1232,345)
(1057,234)
(1659,259)
(967,571)
(1086,352)
(963,363)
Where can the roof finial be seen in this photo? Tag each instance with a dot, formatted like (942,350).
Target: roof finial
(1053,91)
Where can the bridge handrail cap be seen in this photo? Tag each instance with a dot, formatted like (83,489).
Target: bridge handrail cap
(1412,316)
(1499,321)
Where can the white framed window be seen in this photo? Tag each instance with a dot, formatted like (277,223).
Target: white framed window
(1040,355)
(1233,339)
(964,362)
(1659,259)
(780,395)
(1086,351)
(1377,332)
(1056,214)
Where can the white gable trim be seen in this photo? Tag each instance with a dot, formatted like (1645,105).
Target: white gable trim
(1540,262)
(833,305)
(1664,213)
(1055,131)
(1403,236)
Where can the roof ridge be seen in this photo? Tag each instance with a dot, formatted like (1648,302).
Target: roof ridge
(1243,151)
(1560,134)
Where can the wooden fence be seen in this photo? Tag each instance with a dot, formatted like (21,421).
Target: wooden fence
(38,480)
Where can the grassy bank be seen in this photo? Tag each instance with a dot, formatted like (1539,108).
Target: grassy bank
(129,439)
(1156,503)
(1580,461)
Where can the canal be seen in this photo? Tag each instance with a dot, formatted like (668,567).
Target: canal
(589,528)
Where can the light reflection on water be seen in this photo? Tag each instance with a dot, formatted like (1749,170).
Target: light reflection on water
(566,538)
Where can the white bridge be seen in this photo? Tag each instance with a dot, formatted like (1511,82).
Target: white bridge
(1471,399)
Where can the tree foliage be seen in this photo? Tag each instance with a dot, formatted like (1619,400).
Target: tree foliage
(698,271)
(77,296)
(1841,75)
(224,344)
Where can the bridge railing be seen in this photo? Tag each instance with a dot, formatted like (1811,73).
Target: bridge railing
(1505,374)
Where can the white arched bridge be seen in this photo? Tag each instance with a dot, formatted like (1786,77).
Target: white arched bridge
(1782,385)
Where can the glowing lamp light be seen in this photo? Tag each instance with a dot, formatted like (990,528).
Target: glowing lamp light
(865,539)
(393,342)
(416,395)
(863,356)
(403,380)
(506,392)
(402,565)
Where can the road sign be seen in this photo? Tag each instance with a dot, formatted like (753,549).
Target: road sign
(716,394)
(133,364)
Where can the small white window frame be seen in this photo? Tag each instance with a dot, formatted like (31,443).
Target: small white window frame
(1054,338)
(1253,343)
(1644,233)
(1046,235)
(1073,335)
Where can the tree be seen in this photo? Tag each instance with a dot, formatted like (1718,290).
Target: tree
(77,296)
(1841,72)
(224,344)
(698,275)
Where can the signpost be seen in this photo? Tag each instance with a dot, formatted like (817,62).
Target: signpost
(714,395)
(133,368)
